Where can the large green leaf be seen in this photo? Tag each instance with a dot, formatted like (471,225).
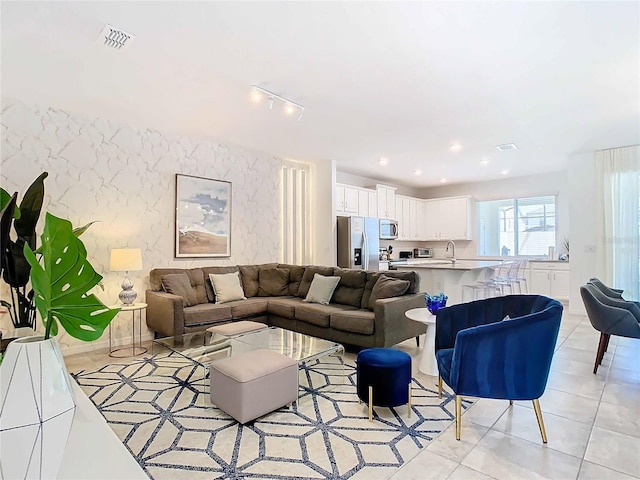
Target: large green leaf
(5,198)
(30,208)
(62,282)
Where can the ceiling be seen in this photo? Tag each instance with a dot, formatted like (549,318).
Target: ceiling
(400,80)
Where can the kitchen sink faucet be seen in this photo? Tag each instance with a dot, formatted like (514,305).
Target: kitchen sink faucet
(453,250)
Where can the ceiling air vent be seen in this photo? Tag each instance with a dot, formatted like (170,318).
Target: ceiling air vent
(116,38)
(507,146)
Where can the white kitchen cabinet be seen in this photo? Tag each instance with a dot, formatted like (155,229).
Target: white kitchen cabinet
(373,203)
(413,219)
(363,203)
(400,217)
(447,219)
(386,202)
(550,279)
(346,200)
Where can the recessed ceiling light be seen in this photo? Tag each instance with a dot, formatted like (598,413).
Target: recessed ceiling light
(417,172)
(507,146)
(383,161)
(484,162)
(455,147)
(443,180)
(504,172)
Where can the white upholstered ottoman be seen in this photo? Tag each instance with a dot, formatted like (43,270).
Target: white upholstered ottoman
(252,384)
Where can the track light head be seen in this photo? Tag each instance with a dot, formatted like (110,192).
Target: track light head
(290,107)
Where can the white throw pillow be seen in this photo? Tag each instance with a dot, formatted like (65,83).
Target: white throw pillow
(321,289)
(227,287)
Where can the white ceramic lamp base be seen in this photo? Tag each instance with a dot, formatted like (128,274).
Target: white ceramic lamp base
(128,295)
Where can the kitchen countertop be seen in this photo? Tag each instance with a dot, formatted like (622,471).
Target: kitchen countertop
(445,264)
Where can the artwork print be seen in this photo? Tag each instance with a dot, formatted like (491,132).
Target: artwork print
(203,217)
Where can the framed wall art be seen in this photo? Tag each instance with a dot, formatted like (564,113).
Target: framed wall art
(203,217)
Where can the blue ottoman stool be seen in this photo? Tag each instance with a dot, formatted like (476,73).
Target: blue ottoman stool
(384,378)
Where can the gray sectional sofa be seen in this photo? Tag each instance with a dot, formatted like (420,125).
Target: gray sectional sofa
(349,319)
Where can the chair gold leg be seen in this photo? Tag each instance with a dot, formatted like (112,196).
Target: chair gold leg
(439,386)
(543,432)
(370,403)
(409,415)
(458,415)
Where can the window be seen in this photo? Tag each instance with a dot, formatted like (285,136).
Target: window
(520,226)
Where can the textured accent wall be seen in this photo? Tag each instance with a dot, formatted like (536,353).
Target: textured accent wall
(124,178)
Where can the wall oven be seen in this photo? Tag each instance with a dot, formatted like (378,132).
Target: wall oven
(388,229)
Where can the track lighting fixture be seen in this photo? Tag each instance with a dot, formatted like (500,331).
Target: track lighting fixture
(290,107)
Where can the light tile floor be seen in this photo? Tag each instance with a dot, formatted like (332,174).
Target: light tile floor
(592,421)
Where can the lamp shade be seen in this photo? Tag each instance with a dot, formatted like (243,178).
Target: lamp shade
(125,259)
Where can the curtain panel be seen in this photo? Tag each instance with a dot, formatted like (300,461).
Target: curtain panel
(618,252)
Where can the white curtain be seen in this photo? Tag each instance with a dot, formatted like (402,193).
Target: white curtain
(618,252)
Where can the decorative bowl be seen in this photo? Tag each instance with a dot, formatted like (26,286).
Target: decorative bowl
(435,302)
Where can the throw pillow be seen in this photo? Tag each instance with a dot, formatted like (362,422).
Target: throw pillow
(227,287)
(179,284)
(387,287)
(273,282)
(321,289)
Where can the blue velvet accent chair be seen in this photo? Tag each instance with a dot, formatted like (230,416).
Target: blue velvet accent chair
(610,316)
(383,378)
(481,353)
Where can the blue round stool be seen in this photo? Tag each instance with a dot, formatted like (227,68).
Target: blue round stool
(384,378)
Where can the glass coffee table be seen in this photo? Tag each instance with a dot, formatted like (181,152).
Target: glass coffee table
(204,347)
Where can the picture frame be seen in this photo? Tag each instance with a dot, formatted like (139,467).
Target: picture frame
(202,217)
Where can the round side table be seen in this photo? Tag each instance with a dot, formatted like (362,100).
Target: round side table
(134,349)
(428,362)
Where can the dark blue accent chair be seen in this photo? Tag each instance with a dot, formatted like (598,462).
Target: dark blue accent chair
(481,355)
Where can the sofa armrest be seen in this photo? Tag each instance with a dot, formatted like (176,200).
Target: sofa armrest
(391,324)
(165,313)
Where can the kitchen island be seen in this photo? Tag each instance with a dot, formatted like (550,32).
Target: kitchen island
(443,275)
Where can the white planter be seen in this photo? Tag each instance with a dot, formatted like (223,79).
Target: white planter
(36,409)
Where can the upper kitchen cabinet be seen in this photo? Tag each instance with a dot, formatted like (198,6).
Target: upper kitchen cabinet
(407,216)
(447,219)
(386,202)
(346,200)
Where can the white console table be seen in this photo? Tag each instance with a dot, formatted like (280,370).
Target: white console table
(93,451)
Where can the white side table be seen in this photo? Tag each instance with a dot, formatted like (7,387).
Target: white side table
(135,349)
(428,362)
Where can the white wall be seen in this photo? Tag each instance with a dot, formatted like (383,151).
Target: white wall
(582,201)
(123,177)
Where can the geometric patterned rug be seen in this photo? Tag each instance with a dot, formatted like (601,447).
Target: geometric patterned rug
(156,406)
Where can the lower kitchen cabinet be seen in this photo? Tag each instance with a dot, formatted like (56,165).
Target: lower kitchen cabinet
(550,279)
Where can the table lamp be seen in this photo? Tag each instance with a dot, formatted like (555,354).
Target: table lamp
(126,260)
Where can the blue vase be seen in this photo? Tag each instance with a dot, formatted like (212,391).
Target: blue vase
(435,302)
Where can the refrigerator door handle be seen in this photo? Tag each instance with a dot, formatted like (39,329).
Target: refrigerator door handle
(365,264)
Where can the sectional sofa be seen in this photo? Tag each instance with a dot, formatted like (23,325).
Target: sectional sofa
(350,318)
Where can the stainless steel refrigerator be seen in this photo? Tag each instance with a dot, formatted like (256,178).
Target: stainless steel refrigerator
(358,243)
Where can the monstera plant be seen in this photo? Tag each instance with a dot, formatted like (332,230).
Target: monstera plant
(61,279)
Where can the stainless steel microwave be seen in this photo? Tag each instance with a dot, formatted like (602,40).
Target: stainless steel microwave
(388,229)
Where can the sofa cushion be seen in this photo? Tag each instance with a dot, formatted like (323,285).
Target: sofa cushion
(273,282)
(295,276)
(317,314)
(248,308)
(217,270)
(227,287)
(359,321)
(351,287)
(322,289)
(249,274)
(372,278)
(387,287)
(307,278)
(284,307)
(206,313)
(179,284)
